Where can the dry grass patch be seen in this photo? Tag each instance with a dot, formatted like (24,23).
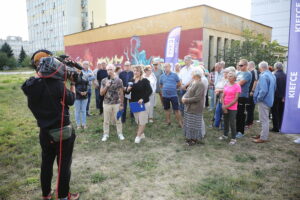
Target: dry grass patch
(161,167)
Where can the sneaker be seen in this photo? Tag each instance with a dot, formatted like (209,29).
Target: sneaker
(71,197)
(105,137)
(137,140)
(232,141)
(297,141)
(239,135)
(143,136)
(150,120)
(223,137)
(78,127)
(84,127)
(121,136)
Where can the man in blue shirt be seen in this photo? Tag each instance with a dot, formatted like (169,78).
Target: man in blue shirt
(126,76)
(243,78)
(169,81)
(264,98)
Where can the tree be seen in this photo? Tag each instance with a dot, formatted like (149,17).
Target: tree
(254,47)
(26,62)
(22,55)
(3,60)
(7,49)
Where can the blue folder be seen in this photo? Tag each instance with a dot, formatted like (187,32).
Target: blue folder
(119,114)
(136,107)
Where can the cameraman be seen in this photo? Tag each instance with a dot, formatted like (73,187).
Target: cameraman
(44,97)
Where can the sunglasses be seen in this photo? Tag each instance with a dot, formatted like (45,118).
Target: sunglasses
(241,65)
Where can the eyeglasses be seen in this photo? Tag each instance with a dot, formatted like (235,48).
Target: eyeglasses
(241,65)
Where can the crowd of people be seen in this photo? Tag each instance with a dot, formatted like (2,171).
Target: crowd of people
(231,93)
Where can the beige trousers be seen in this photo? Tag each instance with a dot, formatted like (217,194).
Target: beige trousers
(110,117)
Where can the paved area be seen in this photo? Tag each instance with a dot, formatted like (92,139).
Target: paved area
(7,73)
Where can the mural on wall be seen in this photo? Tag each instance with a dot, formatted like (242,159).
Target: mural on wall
(137,57)
(195,50)
(137,49)
(112,60)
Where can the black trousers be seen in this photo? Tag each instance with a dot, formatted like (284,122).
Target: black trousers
(277,113)
(101,99)
(97,95)
(240,117)
(250,107)
(50,151)
(125,108)
(229,120)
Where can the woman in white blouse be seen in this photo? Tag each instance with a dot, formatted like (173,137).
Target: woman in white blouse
(151,77)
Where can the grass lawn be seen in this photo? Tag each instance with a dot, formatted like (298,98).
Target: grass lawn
(161,167)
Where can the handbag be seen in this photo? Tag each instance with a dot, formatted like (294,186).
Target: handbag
(66,133)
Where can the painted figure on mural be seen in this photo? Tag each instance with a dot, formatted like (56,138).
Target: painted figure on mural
(195,49)
(137,57)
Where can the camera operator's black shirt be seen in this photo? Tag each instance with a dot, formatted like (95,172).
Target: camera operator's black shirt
(44,100)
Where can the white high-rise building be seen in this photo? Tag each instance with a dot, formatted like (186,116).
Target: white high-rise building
(16,43)
(274,13)
(50,20)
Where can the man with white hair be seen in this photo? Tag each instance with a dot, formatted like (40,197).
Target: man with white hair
(219,84)
(185,76)
(112,90)
(88,74)
(264,98)
(278,105)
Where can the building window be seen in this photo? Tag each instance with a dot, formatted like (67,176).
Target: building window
(219,51)
(210,51)
(225,47)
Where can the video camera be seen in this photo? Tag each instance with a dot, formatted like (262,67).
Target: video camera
(56,67)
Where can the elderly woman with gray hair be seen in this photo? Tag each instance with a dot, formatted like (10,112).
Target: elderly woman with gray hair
(193,101)
(229,106)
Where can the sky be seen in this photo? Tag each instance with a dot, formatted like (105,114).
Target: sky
(13,17)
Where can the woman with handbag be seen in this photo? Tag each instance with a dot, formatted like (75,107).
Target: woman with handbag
(141,91)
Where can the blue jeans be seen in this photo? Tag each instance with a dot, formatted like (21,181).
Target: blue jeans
(89,100)
(212,98)
(97,95)
(80,111)
(218,115)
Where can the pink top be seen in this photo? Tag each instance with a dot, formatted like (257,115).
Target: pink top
(229,94)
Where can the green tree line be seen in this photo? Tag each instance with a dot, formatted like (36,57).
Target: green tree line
(254,47)
(8,61)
